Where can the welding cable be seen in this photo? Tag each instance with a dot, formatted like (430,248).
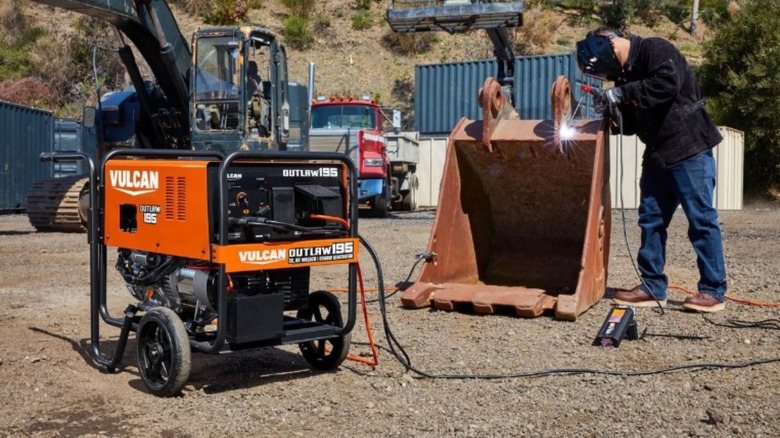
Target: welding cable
(260,221)
(621,173)
(729,298)
(768,324)
(427,256)
(397,350)
(400,354)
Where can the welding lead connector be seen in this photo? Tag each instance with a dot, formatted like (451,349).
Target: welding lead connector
(428,256)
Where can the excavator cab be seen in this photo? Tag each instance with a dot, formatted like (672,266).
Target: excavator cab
(233,107)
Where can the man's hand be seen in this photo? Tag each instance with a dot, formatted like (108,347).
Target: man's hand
(605,100)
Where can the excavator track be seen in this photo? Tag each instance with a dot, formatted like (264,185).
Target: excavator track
(59,204)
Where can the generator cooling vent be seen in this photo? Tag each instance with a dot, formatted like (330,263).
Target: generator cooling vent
(176,198)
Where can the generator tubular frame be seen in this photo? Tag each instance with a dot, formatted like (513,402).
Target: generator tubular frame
(98,249)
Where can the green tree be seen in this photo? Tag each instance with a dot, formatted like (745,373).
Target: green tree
(742,76)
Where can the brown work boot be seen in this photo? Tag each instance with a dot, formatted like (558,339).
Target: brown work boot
(636,297)
(704,303)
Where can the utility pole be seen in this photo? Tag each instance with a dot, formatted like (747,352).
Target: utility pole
(695,17)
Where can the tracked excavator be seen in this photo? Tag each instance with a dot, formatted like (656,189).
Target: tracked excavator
(217,217)
(523,220)
(225,90)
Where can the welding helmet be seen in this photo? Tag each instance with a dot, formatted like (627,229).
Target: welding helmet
(597,59)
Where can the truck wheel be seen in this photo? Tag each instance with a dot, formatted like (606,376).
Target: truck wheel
(163,352)
(409,202)
(379,205)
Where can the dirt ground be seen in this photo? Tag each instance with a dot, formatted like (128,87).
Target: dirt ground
(50,386)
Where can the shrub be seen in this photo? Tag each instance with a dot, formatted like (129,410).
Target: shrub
(363,5)
(409,43)
(740,74)
(15,63)
(297,32)
(29,92)
(537,33)
(321,23)
(622,12)
(301,8)
(362,20)
(225,12)
(198,8)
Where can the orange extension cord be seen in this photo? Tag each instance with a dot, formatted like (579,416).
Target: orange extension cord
(729,298)
(374,361)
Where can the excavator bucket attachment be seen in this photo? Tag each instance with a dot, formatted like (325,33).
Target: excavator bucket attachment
(523,220)
(452,16)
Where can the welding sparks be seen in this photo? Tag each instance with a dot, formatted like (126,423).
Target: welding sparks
(566,132)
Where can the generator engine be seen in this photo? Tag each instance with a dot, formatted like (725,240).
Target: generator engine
(189,286)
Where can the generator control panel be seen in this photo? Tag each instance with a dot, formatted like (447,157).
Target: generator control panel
(276,201)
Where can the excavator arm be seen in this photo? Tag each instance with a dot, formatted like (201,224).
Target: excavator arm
(150,25)
(406,16)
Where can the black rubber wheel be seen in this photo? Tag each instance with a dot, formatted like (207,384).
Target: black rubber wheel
(379,205)
(325,308)
(163,352)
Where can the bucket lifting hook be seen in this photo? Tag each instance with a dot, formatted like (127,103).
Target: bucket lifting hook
(495,108)
(560,97)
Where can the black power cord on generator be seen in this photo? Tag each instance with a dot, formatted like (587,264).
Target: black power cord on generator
(423,256)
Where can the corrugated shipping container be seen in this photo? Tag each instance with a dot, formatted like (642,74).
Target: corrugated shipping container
(446,92)
(26,133)
(625,170)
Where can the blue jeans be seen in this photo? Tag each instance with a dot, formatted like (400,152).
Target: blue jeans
(689,183)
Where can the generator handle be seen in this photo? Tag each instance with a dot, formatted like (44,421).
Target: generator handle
(97,307)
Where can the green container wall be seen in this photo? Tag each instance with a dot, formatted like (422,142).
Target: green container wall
(446,92)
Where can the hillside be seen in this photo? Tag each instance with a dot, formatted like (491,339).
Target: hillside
(347,61)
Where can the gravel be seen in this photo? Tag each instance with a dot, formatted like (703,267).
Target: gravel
(50,387)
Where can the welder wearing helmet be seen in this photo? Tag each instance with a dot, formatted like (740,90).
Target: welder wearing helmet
(657,98)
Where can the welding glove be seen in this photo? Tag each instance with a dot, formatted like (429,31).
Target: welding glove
(606,101)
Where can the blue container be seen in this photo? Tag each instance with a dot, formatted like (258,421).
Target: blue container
(26,133)
(446,92)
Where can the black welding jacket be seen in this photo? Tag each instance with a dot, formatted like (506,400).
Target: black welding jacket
(663,104)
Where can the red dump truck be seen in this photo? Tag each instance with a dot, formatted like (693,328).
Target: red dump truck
(386,158)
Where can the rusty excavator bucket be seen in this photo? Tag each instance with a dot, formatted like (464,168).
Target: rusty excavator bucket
(523,221)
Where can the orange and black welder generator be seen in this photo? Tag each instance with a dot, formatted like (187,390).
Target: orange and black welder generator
(217,251)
